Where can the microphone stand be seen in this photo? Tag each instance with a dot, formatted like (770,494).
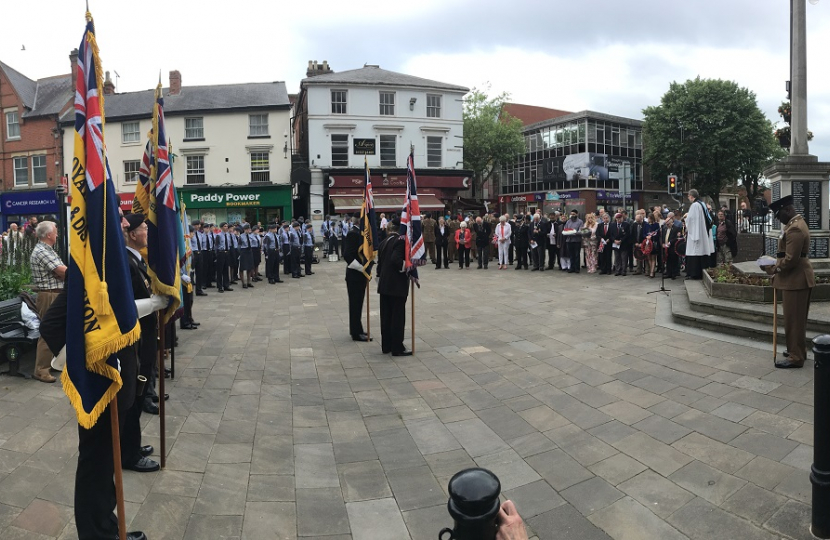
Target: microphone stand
(663,274)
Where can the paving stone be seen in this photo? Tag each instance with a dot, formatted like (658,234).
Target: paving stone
(534,498)
(756,385)
(632,394)
(612,432)
(511,469)
(315,466)
(801,458)
(591,495)
(321,512)
(625,412)
(764,444)
(565,523)
(704,481)
(793,520)
(662,429)
(589,395)
(734,412)
(396,449)
(626,519)
(764,472)
(532,444)
(432,436)
(424,522)
(796,485)
(661,496)
(558,469)
(270,488)
(617,469)
(773,424)
(223,490)
(543,418)
(377,519)
(363,481)
(721,456)
(415,487)
(658,456)
(449,463)
(199,527)
(476,437)
(754,503)
(44,517)
(167,516)
(701,520)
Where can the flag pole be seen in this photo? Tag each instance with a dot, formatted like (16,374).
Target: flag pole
(116,462)
(412,307)
(368,322)
(162,431)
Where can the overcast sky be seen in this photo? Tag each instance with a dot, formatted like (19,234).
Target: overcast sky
(611,56)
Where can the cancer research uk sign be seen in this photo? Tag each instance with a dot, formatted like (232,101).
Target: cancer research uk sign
(23,203)
(234,198)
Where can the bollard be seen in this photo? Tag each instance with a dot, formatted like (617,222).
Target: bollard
(820,471)
(473,505)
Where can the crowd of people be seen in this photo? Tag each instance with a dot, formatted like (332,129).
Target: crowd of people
(650,242)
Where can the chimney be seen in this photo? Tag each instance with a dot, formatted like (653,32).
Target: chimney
(175,83)
(315,68)
(109,86)
(73,63)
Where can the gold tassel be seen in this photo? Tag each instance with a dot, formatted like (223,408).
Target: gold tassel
(104,307)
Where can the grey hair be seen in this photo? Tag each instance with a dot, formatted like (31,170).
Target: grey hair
(463,224)
(44,228)
(502,219)
(694,194)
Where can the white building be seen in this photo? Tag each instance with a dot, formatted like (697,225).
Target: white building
(230,144)
(377,115)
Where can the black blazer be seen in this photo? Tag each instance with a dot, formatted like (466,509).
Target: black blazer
(622,232)
(442,240)
(674,232)
(483,233)
(391,281)
(351,251)
(602,235)
(147,352)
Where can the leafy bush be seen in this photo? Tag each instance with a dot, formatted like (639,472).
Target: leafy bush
(15,270)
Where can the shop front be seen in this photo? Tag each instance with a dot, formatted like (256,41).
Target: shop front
(126,202)
(435,193)
(19,206)
(253,205)
(583,201)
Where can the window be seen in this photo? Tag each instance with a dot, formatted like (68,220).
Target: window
(388,155)
(433,106)
(434,151)
(387,103)
(339,150)
(130,132)
(131,169)
(195,170)
(260,167)
(194,128)
(21,171)
(257,125)
(12,125)
(338,102)
(39,169)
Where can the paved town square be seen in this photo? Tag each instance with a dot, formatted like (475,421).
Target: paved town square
(601,418)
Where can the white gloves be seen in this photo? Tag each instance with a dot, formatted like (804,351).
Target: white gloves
(355,265)
(186,279)
(59,361)
(156,302)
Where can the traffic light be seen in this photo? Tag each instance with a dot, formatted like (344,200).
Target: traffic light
(672,184)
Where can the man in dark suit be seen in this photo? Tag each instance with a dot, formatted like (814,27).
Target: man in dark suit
(393,287)
(536,240)
(356,281)
(604,240)
(621,233)
(483,235)
(522,239)
(669,233)
(514,225)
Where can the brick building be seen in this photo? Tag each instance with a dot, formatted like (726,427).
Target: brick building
(31,142)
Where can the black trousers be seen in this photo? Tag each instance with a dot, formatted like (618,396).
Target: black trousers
(286,259)
(510,250)
(94,484)
(392,322)
(463,256)
(272,265)
(672,267)
(573,253)
(295,261)
(543,248)
(198,270)
(621,261)
(605,259)
(308,252)
(483,255)
(441,255)
(521,255)
(187,306)
(552,252)
(210,267)
(357,292)
(222,280)
(257,253)
(334,245)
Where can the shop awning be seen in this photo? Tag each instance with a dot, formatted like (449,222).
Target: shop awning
(386,203)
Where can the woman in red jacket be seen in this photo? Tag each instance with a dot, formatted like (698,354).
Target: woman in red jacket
(463,241)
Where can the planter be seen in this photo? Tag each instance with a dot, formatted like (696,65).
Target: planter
(784,142)
(755,293)
(787,117)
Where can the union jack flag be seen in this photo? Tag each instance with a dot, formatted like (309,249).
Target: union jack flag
(141,202)
(415,254)
(163,225)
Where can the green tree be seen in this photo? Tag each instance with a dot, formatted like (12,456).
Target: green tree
(711,130)
(492,138)
(752,178)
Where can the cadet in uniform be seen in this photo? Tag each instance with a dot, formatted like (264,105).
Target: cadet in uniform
(256,251)
(246,257)
(222,243)
(308,248)
(272,245)
(286,248)
(295,239)
(393,287)
(793,276)
(209,255)
(197,244)
(356,282)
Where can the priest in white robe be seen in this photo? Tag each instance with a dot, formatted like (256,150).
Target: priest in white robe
(699,242)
